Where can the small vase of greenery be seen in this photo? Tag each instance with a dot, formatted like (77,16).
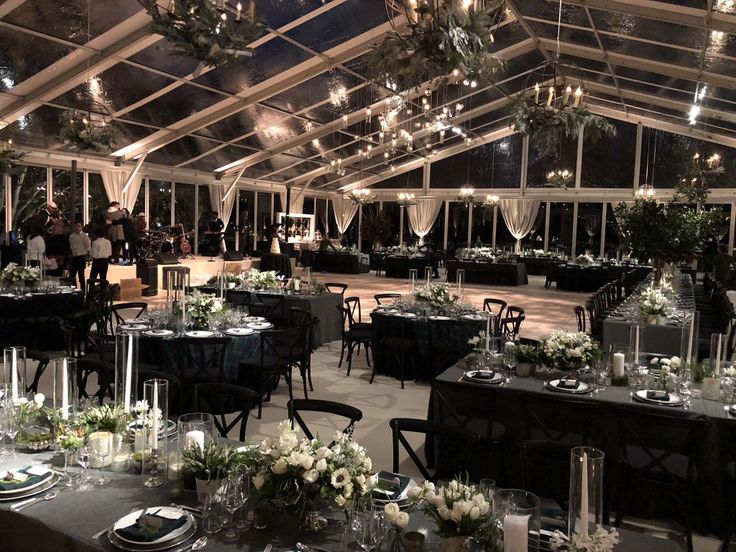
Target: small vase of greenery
(209,466)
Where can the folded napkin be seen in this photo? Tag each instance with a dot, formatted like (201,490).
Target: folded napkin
(145,528)
(658,395)
(568,384)
(483,374)
(390,485)
(23,477)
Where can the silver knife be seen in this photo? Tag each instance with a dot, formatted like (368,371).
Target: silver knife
(18,506)
(100,533)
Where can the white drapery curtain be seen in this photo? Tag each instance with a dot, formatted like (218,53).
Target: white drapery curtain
(344,213)
(224,209)
(422,216)
(297,202)
(519,216)
(114,182)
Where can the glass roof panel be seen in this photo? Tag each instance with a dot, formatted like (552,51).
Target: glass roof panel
(409,179)
(722,67)
(181,150)
(272,130)
(649,29)
(240,123)
(280,12)
(268,60)
(67,19)
(724,6)
(118,87)
(176,105)
(548,10)
(655,78)
(571,36)
(339,24)
(39,128)
(218,158)
(23,55)
(162,57)
(699,4)
(651,52)
(283,166)
(508,35)
(583,63)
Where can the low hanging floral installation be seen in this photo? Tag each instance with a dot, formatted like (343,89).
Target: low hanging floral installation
(215,32)
(560,178)
(466,194)
(90,130)
(9,158)
(361,196)
(694,184)
(406,199)
(442,38)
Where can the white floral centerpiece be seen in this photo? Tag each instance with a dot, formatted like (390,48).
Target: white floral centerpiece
(584,260)
(302,474)
(459,510)
(262,280)
(569,350)
(600,540)
(654,305)
(478,342)
(435,295)
(15,274)
(202,307)
(480,253)
(669,368)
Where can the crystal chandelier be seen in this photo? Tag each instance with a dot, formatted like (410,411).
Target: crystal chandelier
(362,196)
(405,199)
(560,178)
(466,194)
(645,192)
(491,200)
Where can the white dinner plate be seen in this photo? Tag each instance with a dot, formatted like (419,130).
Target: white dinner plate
(474,317)
(387,311)
(133,327)
(439,317)
(254,319)
(239,331)
(582,387)
(38,470)
(199,333)
(260,325)
(35,491)
(673,399)
(158,333)
(408,315)
(131,518)
(482,376)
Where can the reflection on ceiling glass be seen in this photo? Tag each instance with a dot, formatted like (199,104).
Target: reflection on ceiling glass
(39,128)
(178,104)
(648,29)
(161,56)
(23,55)
(548,10)
(179,151)
(223,155)
(68,19)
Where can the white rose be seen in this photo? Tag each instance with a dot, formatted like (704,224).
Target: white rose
(391,510)
(402,519)
(360,480)
(310,476)
(444,512)
(474,512)
(266,445)
(429,486)
(288,441)
(258,481)
(414,492)
(322,452)
(321,465)
(655,360)
(280,466)
(307,461)
(294,459)
(368,463)
(675,362)
(39,398)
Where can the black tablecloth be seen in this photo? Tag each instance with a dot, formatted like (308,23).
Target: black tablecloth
(343,263)
(398,267)
(478,406)
(489,273)
(537,266)
(280,263)
(572,277)
(34,321)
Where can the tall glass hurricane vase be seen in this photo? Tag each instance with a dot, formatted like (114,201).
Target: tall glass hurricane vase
(586,490)
(126,369)
(156,394)
(64,385)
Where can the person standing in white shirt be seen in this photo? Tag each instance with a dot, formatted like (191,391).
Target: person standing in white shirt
(80,247)
(36,252)
(100,251)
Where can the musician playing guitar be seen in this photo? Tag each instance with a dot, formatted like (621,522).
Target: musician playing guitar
(184,245)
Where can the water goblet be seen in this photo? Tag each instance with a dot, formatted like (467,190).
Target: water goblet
(85,477)
(100,452)
(232,500)
(212,514)
(242,523)
(369,528)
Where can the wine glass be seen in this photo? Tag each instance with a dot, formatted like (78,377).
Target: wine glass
(211,514)
(242,523)
(85,478)
(232,499)
(369,528)
(101,451)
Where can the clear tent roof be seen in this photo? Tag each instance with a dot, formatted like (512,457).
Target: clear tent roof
(279,113)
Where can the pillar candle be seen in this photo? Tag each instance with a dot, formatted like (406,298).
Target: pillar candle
(194,438)
(488,332)
(618,365)
(689,357)
(636,347)
(536,93)
(718,355)
(14,375)
(584,498)
(128,376)
(65,391)
(154,415)
(515,533)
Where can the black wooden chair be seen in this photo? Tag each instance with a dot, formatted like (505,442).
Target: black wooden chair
(302,319)
(105,372)
(298,406)
(356,316)
(391,342)
(222,399)
(353,337)
(202,360)
(334,287)
(457,439)
(580,316)
(119,313)
(43,361)
(494,306)
(511,327)
(383,298)
(270,306)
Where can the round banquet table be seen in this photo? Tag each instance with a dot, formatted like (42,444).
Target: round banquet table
(280,263)
(33,320)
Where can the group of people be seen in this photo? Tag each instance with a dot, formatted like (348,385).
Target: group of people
(114,233)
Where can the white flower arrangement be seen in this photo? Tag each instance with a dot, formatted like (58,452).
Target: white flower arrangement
(730,372)
(666,364)
(600,540)
(478,342)
(17,274)
(584,260)
(436,295)
(480,253)
(653,302)
(262,280)
(301,472)
(201,307)
(569,350)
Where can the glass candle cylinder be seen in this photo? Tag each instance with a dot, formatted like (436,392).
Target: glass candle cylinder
(717,358)
(195,429)
(308,275)
(689,348)
(156,394)
(460,280)
(64,386)
(620,359)
(413,278)
(586,490)
(428,273)
(14,373)
(636,344)
(126,369)
(520,515)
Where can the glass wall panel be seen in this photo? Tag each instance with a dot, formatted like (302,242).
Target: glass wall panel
(541,165)
(393,212)
(308,208)
(3,208)
(63,193)
(409,179)
(560,227)
(184,206)
(482,225)
(613,233)
(263,217)
(437,235)
(589,228)
(321,210)
(245,221)
(203,215)
(159,198)
(535,238)
(609,162)
(369,211)
(28,194)
(97,197)
(457,233)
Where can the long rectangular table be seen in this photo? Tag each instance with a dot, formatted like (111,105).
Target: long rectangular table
(488,273)
(492,409)
(341,263)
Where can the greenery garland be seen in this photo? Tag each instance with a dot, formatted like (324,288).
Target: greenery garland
(80,136)
(195,28)
(546,125)
(441,41)
(9,162)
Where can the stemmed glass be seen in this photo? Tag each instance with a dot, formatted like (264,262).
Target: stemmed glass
(242,523)
(211,518)
(85,479)
(12,424)
(101,451)
(369,527)
(232,500)
(685,386)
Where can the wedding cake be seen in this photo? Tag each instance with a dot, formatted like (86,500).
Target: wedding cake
(275,249)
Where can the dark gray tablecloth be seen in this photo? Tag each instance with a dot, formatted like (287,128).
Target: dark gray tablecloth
(479,406)
(67,523)
(399,267)
(342,263)
(280,263)
(489,273)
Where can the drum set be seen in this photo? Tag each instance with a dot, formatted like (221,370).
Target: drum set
(169,239)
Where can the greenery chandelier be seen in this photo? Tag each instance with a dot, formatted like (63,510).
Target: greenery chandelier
(9,158)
